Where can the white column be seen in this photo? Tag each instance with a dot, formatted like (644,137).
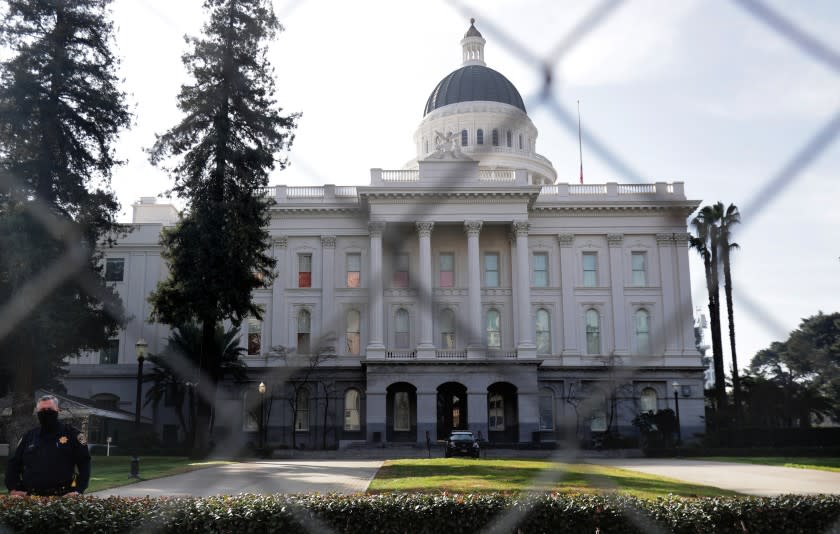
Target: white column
(426,348)
(477,410)
(665,328)
(329,328)
(278,303)
(475,347)
(514,283)
(525,348)
(620,338)
(426,416)
(376,344)
(567,291)
(683,292)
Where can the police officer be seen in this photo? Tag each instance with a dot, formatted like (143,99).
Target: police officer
(47,458)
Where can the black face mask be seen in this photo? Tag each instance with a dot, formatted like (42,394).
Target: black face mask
(48,418)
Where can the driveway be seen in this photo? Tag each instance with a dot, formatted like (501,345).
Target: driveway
(270,476)
(750,479)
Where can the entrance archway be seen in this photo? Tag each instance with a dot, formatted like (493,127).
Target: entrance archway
(502,413)
(401,413)
(451,408)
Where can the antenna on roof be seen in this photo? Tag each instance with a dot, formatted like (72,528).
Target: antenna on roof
(580,144)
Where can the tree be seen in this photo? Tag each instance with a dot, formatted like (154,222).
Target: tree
(706,244)
(301,377)
(729,218)
(223,149)
(176,370)
(60,114)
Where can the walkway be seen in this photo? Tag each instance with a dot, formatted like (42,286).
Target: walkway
(269,476)
(750,479)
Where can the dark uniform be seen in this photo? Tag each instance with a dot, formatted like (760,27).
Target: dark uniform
(45,462)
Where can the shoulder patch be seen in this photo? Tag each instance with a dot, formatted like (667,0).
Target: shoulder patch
(82,439)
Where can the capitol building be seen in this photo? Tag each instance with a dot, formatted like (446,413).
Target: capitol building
(468,290)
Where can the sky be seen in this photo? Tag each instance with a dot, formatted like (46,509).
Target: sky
(700,92)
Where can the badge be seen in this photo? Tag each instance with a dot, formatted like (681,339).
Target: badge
(62,440)
(82,439)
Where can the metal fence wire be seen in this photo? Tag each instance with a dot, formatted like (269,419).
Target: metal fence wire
(546,64)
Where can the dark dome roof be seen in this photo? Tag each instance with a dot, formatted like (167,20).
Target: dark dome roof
(473,83)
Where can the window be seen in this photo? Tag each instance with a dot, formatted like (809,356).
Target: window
(352,404)
(496,412)
(254,336)
(494,333)
(402,412)
(647,400)
(401,270)
(447,329)
(509,139)
(302,412)
(354,270)
(491,269)
(521,145)
(642,332)
(353,334)
(464,138)
(110,353)
(546,409)
(543,332)
(304,270)
(638,261)
(495,137)
(401,329)
(114,269)
(479,137)
(541,269)
(593,332)
(304,326)
(447,270)
(250,423)
(590,269)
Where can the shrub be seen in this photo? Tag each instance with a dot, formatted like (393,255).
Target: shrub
(421,513)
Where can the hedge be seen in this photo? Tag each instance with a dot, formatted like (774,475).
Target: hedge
(403,513)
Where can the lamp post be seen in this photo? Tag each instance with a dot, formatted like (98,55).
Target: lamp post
(261,427)
(677,409)
(140,348)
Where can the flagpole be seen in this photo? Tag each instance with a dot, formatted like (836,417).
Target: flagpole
(580,144)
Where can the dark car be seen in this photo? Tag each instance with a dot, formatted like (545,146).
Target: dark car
(462,443)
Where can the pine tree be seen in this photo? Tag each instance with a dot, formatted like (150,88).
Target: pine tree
(60,113)
(223,149)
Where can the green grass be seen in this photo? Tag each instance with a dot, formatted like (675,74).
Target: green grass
(822,464)
(112,471)
(515,476)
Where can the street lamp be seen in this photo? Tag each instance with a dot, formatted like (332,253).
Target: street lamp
(140,349)
(261,427)
(677,408)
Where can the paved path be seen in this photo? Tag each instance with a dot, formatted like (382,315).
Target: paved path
(270,476)
(744,478)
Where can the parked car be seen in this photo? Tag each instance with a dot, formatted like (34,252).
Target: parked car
(462,443)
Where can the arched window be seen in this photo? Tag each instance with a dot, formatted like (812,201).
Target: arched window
(304,327)
(494,332)
(509,139)
(647,400)
(495,137)
(496,412)
(401,329)
(352,408)
(543,332)
(642,332)
(464,138)
(302,412)
(479,137)
(353,333)
(447,329)
(254,336)
(593,332)
(546,409)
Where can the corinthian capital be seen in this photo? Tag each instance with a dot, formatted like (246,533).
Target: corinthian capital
(472,228)
(615,240)
(521,228)
(424,228)
(328,241)
(375,228)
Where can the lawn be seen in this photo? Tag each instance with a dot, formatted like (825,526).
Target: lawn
(822,464)
(112,471)
(476,476)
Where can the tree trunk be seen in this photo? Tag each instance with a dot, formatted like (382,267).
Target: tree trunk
(206,388)
(714,311)
(326,409)
(727,287)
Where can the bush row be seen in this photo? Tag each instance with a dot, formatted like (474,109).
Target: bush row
(368,514)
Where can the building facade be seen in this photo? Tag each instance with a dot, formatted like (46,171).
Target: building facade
(468,290)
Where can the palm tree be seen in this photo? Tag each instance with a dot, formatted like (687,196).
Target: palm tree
(177,371)
(731,216)
(706,244)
